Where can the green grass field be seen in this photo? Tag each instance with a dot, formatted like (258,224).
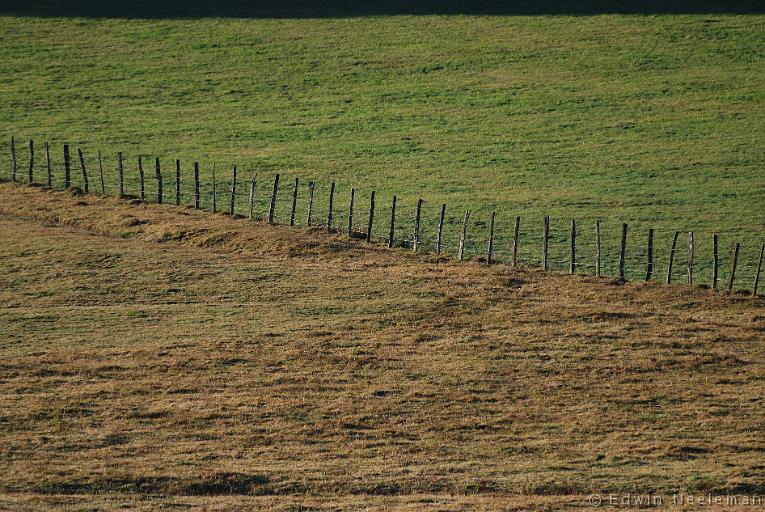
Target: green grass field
(651,119)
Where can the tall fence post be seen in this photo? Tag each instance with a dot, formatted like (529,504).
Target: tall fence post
(159,183)
(120,171)
(196,185)
(490,248)
(623,252)
(100,172)
(30,175)
(13,159)
(516,239)
(572,259)
(392,231)
(141,181)
(649,256)
(371,216)
(84,171)
(311,186)
(463,235)
(48,167)
(757,273)
(715,262)
(251,202)
(597,249)
(733,270)
(68,168)
(350,212)
(177,182)
(417,217)
(672,257)
(690,258)
(440,229)
(272,207)
(545,241)
(331,205)
(214,191)
(232,203)
(294,203)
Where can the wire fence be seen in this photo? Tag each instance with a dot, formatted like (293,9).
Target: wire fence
(294,199)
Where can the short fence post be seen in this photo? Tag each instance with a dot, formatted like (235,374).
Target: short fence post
(331,205)
(597,249)
(622,252)
(141,185)
(68,168)
(13,159)
(294,203)
(350,212)
(690,258)
(417,216)
(196,185)
(757,274)
(120,172)
(649,269)
(47,165)
(392,223)
(100,171)
(31,161)
(715,262)
(232,203)
(272,207)
(84,172)
(440,230)
(572,260)
(214,191)
(463,235)
(733,270)
(311,186)
(545,241)
(490,249)
(672,257)
(159,182)
(371,216)
(251,202)
(516,239)
(177,182)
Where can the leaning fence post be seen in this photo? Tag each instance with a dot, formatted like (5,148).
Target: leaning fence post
(516,239)
(672,257)
(84,172)
(232,204)
(311,186)
(31,160)
(649,269)
(690,257)
(392,223)
(141,185)
(371,216)
(120,170)
(294,203)
(272,207)
(463,234)
(331,203)
(572,260)
(715,262)
(490,248)
(417,216)
(196,185)
(159,182)
(733,270)
(757,274)
(251,203)
(47,165)
(545,241)
(100,171)
(177,182)
(350,211)
(622,252)
(13,159)
(68,168)
(440,231)
(597,249)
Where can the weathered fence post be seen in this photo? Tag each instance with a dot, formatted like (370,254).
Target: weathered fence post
(516,239)
(141,184)
(251,202)
(272,207)
(572,260)
(371,216)
(672,257)
(757,273)
(440,230)
(690,258)
(214,191)
(294,203)
(733,270)
(463,235)
(232,203)
(649,269)
(597,249)
(311,186)
(159,182)
(623,252)
(68,168)
(392,223)
(417,217)
(120,172)
(47,165)
(196,185)
(13,159)
(177,182)
(331,205)
(490,248)
(31,161)
(545,241)
(100,171)
(84,171)
(350,212)
(715,262)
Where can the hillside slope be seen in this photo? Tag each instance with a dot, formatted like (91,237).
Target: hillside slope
(215,362)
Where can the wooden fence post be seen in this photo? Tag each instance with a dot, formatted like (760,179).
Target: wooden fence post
(463,235)
(68,168)
(272,207)
(232,203)
(331,204)
(516,239)
(545,241)
(120,172)
(597,249)
(623,252)
(672,257)
(715,262)
(733,270)
(690,258)
(159,182)
(649,269)
(141,184)
(490,249)
(392,232)
(214,191)
(371,216)
(311,186)
(251,202)
(13,159)
(294,203)
(84,171)
(757,274)
(417,217)
(440,230)
(196,185)
(47,165)
(31,161)
(100,171)
(350,212)
(572,260)
(177,182)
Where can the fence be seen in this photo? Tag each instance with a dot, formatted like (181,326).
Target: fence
(597,248)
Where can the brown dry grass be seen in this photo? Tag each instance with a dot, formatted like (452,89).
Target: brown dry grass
(159,357)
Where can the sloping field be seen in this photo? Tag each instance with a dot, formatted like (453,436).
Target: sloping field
(160,357)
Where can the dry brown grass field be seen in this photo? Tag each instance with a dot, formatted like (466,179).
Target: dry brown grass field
(155,357)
